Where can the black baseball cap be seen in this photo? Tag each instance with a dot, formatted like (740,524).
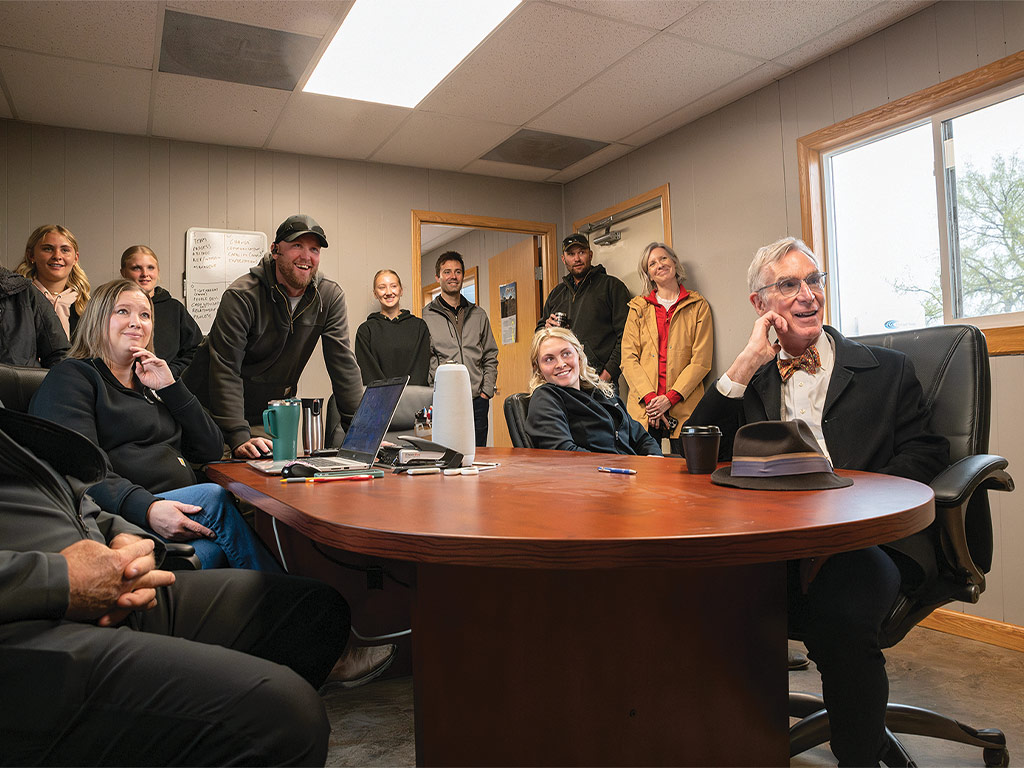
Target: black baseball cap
(575,239)
(298,225)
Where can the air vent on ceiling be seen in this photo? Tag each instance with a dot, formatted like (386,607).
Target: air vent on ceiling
(543,150)
(237,53)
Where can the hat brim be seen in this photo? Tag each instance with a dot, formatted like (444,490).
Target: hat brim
(296,235)
(812,481)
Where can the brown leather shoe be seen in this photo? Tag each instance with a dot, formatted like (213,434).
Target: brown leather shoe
(359,665)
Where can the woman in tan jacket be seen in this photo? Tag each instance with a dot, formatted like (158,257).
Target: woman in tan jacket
(666,346)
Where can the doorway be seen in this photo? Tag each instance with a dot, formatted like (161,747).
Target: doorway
(517,264)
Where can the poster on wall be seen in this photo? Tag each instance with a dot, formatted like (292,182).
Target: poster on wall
(507,292)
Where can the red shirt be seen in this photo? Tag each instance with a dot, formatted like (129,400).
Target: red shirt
(664,317)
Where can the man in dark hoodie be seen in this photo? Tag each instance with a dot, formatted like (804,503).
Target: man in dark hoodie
(266,329)
(30,332)
(595,303)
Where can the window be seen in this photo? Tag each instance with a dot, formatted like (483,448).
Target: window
(900,260)
(917,208)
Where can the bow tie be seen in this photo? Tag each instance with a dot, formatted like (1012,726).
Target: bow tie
(808,361)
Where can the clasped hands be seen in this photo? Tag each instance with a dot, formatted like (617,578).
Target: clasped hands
(108,582)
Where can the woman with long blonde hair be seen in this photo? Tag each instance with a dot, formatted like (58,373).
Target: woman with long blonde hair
(574,409)
(51,263)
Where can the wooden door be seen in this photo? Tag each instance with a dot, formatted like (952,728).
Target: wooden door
(516,265)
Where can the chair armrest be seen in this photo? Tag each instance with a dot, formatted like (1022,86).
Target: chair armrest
(954,488)
(958,482)
(180,557)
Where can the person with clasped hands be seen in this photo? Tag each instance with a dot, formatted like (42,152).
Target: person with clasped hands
(667,345)
(574,409)
(108,660)
(114,390)
(865,407)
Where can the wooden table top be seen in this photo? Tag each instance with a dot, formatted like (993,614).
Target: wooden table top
(554,509)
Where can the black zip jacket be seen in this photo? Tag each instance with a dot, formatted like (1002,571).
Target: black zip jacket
(30,331)
(597,310)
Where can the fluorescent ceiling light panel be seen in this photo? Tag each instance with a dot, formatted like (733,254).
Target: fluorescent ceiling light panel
(396,51)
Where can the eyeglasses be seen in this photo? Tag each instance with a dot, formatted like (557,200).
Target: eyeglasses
(790,286)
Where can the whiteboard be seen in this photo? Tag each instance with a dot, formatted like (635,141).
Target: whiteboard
(214,259)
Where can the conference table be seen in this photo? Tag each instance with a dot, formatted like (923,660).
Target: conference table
(563,615)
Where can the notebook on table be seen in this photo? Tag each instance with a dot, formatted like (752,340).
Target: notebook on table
(364,436)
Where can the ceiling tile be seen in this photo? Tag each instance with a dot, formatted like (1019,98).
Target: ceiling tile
(330,127)
(509,79)
(76,94)
(439,141)
(104,31)
(879,17)
(653,14)
(508,170)
(305,17)
(244,114)
(636,91)
(592,163)
(765,29)
(727,94)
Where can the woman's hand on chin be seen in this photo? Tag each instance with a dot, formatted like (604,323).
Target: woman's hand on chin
(151,370)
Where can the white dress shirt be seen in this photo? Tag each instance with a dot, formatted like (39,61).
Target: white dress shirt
(803,395)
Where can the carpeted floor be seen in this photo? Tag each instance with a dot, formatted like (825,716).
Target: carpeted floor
(978,684)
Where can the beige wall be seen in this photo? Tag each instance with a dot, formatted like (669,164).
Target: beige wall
(733,186)
(113,191)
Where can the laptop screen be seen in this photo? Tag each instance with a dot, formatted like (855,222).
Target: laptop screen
(373,416)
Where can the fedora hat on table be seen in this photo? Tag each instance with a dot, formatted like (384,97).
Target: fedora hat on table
(778,456)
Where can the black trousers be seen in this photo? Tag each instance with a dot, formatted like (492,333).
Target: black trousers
(222,672)
(839,620)
(481,409)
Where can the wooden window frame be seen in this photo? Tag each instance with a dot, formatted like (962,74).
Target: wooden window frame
(924,103)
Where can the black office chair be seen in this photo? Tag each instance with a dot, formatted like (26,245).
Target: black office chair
(517,406)
(18,384)
(952,365)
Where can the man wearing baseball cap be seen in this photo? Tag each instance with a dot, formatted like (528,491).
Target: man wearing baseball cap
(266,328)
(595,305)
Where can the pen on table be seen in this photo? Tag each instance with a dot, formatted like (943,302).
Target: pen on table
(324,479)
(617,470)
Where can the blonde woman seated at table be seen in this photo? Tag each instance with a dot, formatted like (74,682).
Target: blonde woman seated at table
(667,344)
(114,390)
(572,408)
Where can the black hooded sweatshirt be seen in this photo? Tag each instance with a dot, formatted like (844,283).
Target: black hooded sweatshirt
(387,348)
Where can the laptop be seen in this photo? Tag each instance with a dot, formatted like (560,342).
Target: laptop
(364,436)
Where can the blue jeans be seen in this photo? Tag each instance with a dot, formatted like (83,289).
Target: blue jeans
(236,546)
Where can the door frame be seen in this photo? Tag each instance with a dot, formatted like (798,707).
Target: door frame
(659,193)
(540,229)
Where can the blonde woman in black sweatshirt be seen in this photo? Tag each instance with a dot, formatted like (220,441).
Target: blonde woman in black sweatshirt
(393,341)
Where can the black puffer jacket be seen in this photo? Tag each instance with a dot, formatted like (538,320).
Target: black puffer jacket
(30,332)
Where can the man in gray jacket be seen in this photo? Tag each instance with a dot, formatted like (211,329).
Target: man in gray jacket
(461,332)
(266,328)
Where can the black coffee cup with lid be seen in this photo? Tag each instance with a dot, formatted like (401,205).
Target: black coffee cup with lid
(700,448)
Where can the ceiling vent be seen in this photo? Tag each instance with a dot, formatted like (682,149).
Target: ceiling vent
(543,150)
(236,53)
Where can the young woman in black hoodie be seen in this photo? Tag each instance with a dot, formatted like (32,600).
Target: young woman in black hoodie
(175,334)
(392,342)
